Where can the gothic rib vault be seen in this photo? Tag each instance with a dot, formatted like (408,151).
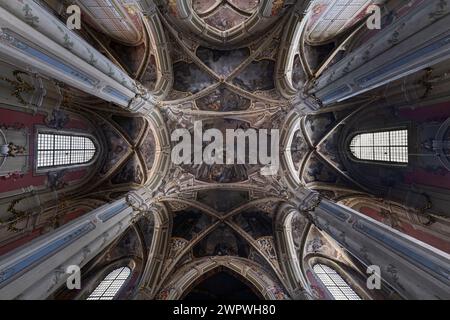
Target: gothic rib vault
(139,70)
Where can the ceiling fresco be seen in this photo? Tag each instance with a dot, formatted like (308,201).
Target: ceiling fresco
(306,77)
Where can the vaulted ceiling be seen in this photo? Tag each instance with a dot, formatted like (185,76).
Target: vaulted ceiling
(244,64)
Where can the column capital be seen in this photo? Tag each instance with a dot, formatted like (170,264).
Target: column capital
(141,205)
(306,200)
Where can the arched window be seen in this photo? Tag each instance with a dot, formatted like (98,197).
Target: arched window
(339,289)
(383,146)
(55,150)
(110,286)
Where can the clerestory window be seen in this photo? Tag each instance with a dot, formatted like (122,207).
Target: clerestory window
(110,286)
(383,146)
(61,150)
(336,285)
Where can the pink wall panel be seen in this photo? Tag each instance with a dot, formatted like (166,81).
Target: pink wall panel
(408,229)
(423,177)
(436,112)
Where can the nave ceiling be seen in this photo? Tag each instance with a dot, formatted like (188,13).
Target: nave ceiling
(236,64)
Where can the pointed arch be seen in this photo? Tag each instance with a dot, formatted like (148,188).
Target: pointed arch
(287,252)
(188,275)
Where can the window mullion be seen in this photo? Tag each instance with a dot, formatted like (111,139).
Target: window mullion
(54,150)
(70,150)
(389,146)
(373,146)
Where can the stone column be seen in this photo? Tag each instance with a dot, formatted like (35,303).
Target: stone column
(33,38)
(413,268)
(37,269)
(416,40)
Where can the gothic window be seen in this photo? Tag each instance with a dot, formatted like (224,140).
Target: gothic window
(60,150)
(383,146)
(339,289)
(110,286)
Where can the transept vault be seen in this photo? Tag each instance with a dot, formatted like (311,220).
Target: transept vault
(354,119)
